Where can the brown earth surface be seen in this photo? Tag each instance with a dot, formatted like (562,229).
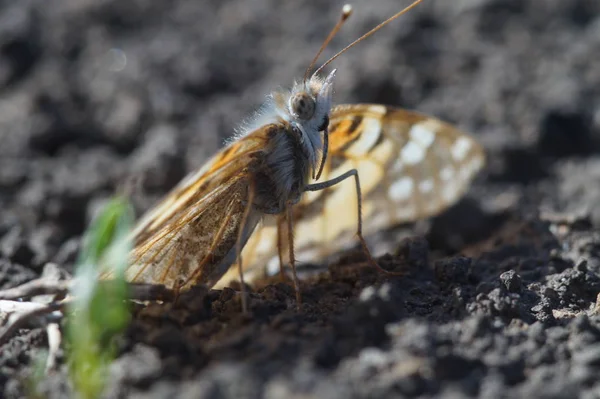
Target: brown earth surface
(499,296)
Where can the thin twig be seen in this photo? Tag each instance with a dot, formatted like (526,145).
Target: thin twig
(39,286)
(45,286)
(19,307)
(18,319)
(21,312)
(54,339)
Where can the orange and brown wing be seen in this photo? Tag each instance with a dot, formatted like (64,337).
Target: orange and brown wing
(198,185)
(190,236)
(411,166)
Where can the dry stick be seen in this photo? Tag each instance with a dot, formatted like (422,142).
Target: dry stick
(39,286)
(18,306)
(24,311)
(54,339)
(21,318)
(45,286)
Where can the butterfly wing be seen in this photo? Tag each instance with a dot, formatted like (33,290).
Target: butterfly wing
(411,166)
(190,237)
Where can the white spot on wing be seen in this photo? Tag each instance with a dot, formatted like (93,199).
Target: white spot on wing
(412,153)
(426,186)
(422,135)
(447,173)
(461,148)
(401,189)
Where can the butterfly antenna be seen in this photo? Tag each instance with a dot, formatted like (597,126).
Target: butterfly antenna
(363,37)
(346,12)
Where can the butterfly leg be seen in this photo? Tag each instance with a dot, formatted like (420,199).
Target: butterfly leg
(329,183)
(238,246)
(280,221)
(291,254)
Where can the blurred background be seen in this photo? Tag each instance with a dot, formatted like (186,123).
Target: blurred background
(94,92)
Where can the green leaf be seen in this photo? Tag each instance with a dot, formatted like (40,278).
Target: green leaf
(99,310)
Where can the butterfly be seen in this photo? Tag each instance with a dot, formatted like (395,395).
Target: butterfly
(411,167)
(302,175)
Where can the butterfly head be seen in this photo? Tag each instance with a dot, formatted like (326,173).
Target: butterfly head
(309,103)
(306,108)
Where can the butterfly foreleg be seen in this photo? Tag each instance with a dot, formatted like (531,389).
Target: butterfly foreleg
(330,183)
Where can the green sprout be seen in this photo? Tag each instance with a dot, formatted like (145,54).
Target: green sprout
(99,311)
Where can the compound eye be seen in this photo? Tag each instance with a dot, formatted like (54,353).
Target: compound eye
(302,106)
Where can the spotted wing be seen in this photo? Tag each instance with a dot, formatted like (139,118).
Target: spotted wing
(411,166)
(190,237)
